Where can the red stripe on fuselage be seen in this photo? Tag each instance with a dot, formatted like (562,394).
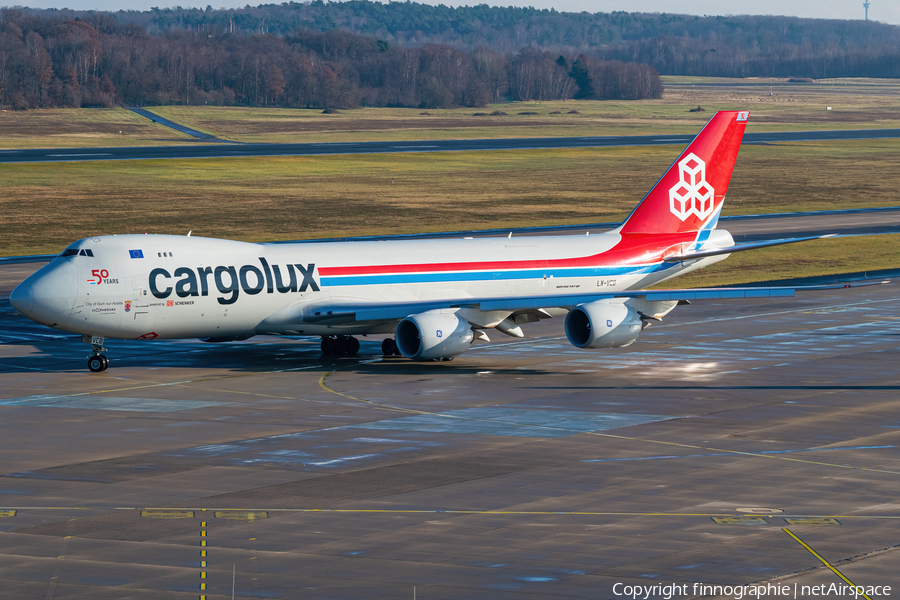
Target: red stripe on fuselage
(634,248)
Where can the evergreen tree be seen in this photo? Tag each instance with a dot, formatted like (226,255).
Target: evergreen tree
(582,78)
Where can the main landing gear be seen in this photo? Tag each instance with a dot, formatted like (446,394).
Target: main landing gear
(96,361)
(340,344)
(389,347)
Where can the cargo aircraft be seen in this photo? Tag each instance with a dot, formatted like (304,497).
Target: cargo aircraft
(435,296)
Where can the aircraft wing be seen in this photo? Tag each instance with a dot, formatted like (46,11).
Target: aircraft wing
(348,313)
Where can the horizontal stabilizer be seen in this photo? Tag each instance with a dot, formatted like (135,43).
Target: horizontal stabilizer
(744,247)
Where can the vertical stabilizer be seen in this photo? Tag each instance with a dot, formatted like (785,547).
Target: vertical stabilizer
(689,196)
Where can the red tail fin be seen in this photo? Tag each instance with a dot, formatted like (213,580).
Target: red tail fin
(690,195)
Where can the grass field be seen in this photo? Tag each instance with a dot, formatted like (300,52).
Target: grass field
(82,128)
(46,206)
(796,108)
(856,104)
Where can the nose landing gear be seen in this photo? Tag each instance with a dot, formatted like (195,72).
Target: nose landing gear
(96,361)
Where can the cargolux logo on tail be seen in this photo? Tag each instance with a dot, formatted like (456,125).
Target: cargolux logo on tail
(692,195)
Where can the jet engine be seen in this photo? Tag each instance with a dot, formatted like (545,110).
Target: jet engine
(433,334)
(603,324)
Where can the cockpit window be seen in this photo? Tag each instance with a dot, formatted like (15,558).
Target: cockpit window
(76,252)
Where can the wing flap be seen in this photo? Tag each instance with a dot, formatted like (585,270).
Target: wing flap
(538,302)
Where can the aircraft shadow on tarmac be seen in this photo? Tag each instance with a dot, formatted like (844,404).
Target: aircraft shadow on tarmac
(66,354)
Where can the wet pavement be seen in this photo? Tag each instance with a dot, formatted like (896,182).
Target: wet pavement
(525,468)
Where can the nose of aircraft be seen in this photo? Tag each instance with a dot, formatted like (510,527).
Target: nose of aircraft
(47,296)
(22,298)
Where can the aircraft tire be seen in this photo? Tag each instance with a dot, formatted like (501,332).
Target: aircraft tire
(352,346)
(105,362)
(97,364)
(389,347)
(328,346)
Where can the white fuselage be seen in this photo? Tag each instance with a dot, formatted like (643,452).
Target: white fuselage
(159,286)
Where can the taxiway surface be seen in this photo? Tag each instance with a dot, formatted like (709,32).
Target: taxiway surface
(310,149)
(523,469)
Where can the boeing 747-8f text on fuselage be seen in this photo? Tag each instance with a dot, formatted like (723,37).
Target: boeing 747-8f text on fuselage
(435,296)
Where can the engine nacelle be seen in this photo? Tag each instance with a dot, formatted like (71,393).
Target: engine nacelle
(603,324)
(433,334)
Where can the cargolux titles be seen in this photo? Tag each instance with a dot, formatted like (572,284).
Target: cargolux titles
(230,280)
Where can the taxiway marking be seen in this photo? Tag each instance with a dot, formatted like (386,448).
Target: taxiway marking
(824,562)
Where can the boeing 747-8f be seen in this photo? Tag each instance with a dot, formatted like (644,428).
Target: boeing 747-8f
(435,296)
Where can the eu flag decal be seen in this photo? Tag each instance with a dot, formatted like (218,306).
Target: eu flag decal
(136,253)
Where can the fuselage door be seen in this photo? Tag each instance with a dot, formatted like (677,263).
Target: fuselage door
(140,300)
(141,295)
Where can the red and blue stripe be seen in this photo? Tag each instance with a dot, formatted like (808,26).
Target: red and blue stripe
(635,254)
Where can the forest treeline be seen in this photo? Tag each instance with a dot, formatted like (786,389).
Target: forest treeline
(53,61)
(365,53)
(725,46)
